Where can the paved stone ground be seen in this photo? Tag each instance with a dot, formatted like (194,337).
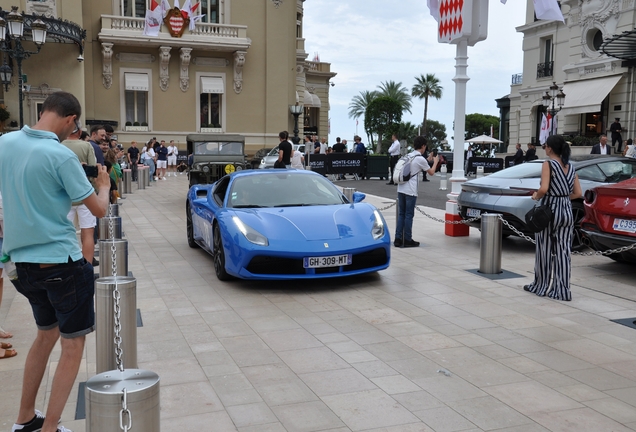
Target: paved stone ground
(365,353)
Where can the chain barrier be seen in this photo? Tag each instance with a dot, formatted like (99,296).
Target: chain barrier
(519,233)
(124,412)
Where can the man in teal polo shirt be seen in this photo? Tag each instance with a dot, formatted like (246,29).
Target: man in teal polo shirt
(39,179)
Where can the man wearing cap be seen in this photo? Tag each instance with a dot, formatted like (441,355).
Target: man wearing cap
(616,130)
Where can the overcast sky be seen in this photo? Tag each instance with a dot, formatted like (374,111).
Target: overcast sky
(371,41)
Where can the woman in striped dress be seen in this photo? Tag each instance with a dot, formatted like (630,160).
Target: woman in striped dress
(559,185)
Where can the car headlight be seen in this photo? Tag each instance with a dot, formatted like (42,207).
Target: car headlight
(250,233)
(239,168)
(378,226)
(262,161)
(206,169)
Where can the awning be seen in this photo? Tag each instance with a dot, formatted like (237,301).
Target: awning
(587,95)
(622,46)
(316,101)
(308,101)
(212,85)
(136,82)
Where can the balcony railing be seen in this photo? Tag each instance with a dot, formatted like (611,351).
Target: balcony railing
(114,26)
(318,66)
(544,70)
(517,79)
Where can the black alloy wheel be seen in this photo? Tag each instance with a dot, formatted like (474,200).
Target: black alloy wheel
(218,253)
(189,228)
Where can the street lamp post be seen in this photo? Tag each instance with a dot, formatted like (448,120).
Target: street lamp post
(11,34)
(548,102)
(296,111)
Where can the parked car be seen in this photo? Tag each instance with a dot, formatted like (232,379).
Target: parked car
(285,224)
(215,155)
(448,157)
(272,156)
(610,219)
(509,191)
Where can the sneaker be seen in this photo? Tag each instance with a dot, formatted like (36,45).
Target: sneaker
(164,178)
(63,429)
(156,179)
(397,243)
(411,243)
(95,262)
(35,425)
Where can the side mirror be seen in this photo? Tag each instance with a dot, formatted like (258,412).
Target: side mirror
(358,197)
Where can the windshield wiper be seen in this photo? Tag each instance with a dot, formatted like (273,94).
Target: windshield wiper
(296,205)
(248,206)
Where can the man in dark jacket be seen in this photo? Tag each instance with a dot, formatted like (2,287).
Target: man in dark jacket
(518,159)
(601,147)
(531,153)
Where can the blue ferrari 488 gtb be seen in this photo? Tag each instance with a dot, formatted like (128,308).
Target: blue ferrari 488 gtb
(285,224)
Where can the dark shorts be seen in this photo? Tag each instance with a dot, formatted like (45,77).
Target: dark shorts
(61,295)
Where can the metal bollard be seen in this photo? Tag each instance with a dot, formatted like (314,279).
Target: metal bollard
(480,172)
(104,398)
(443,183)
(106,257)
(147,176)
(490,247)
(105,322)
(113,210)
(348,192)
(127,181)
(104,229)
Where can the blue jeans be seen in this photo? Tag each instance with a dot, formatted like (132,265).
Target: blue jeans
(150,163)
(406,212)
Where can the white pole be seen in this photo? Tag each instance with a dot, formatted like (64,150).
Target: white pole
(460,79)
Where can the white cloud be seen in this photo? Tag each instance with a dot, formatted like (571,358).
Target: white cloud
(370,41)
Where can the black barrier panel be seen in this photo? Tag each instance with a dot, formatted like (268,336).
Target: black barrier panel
(490,165)
(182,156)
(318,163)
(509,161)
(345,163)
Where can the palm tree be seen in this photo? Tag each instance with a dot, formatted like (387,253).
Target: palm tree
(358,107)
(426,86)
(396,92)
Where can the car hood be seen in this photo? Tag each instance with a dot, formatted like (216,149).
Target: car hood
(311,222)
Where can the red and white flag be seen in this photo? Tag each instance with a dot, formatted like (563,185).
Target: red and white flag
(153,19)
(548,10)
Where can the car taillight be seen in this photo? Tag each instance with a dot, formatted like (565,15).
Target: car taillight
(521,191)
(590,196)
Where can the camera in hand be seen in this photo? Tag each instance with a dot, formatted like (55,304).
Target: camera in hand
(90,170)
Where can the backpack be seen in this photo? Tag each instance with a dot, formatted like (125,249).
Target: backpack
(402,170)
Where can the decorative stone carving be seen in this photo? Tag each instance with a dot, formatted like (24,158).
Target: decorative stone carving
(135,58)
(239,61)
(211,61)
(42,7)
(184,78)
(107,67)
(601,15)
(164,72)
(277,3)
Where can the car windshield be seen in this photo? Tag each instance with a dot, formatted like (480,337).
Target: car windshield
(219,148)
(284,189)
(526,170)
(609,172)
(274,151)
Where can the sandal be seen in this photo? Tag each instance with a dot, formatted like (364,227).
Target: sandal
(4,334)
(8,353)
(5,345)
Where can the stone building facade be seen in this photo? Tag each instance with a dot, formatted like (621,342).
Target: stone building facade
(237,72)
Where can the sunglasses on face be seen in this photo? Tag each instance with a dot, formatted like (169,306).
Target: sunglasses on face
(78,126)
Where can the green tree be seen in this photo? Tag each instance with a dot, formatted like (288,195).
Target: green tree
(358,107)
(383,116)
(479,124)
(397,92)
(407,131)
(425,87)
(435,133)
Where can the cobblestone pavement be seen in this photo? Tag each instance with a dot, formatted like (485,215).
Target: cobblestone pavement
(426,345)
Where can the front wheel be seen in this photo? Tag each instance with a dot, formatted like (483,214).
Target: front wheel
(189,228)
(218,253)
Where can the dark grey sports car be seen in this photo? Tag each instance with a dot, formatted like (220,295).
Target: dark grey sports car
(509,191)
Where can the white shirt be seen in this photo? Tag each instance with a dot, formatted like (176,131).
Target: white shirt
(150,153)
(418,164)
(297,160)
(323,148)
(394,150)
(603,149)
(631,151)
(174,150)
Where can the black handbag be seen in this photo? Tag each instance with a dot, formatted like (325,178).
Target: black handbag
(538,218)
(279,164)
